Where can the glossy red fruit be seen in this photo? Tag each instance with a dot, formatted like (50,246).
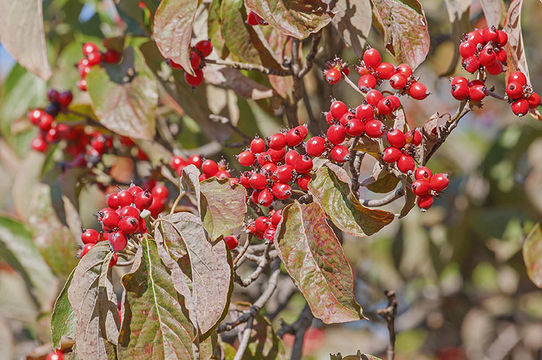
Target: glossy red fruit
(195,60)
(365,112)
(417,90)
(514,90)
(254,19)
(277,141)
(195,160)
(385,106)
(338,109)
(205,47)
(501,55)
(315,146)
(490,34)
(52,95)
(142,200)
(373,97)
(65,98)
(398,81)
(265,197)
(487,56)
(518,77)
(261,223)
(90,236)
(125,198)
(502,38)
(246,158)
(281,191)
(113,262)
(391,155)
(333,76)
(82,84)
(385,70)
(467,49)
(303,182)
(269,234)
(45,122)
(340,154)
(35,115)
(117,240)
(413,137)
(421,187)
(38,144)
(194,80)
(94,58)
(477,92)
(129,211)
(284,173)
(257,181)
(303,164)
(276,155)
(460,91)
(475,36)
(439,181)
(372,58)
(336,134)
(110,220)
(374,128)
(134,189)
(57,354)
(222,174)
(209,167)
(344,119)
(404,69)
(86,248)
(471,64)
(533,100)
(231,241)
(423,173)
(425,202)
(296,136)
(89,48)
(495,69)
(111,56)
(291,157)
(458,80)
(128,225)
(276,218)
(174,65)
(113,201)
(520,107)
(396,138)
(160,192)
(406,164)
(367,81)
(176,162)
(257,145)
(355,127)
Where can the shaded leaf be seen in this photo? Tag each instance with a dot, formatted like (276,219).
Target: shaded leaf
(314,258)
(293,17)
(368,146)
(19,251)
(405,29)
(493,11)
(410,202)
(234,79)
(359,356)
(331,189)
(125,96)
(155,324)
(532,255)
(381,181)
(63,321)
(73,220)
(353,20)
(207,265)
(22,34)
(94,304)
(172,30)
(458,14)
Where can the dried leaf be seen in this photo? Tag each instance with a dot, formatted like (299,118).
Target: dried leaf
(516,59)
(405,29)
(493,11)
(314,258)
(63,321)
(532,255)
(353,20)
(330,187)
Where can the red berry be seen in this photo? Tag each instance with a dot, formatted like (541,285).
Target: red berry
(277,141)
(35,115)
(329,118)
(405,70)
(82,85)
(246,158)
(269,234)
(209,167)
(134,189)
(365,112)
(257,181)
(374,128)
(128,225)
(257,145)
(174,65)
(222,174)
(142,200)
(303,164)
(371,58)
(195,60)
(490,34)
(52,95)
(159,192)
(254,19)
(439,182)
(303,182)
(125,198)
(413,137)
(157,206)
(117,240)
(502,38)
(38,144)
(501,55)
(269,169)
(276,218)
(89,48)
(373,97)
(195,160)
(417,90)
(385,106)
(94,58)
(471,64)
(344,119)
(425,201)
(338,109)
(128,211)
(385,70)
(391,155)
(291,157)
(423,173)
(421,187)
(205,47)
(533,100)
(477,92)
(45,122)
(518,77)
(514,90)
(355,127)
(113,262)
(406,164)
(90,236)
(460,91)
(177,162)
(340,154)
(333,76)
(282,191)
(276,155)
(296,136)
(475,36)
(336,134)
(111,56)
(86,248)
(113,201)
(487,56)
(261,223)
(367,81)
(265,198)
(315,146)
(520,107)
(467,49)
(284,173)
(398,81)
(396,138)
(459,80)
(110,220)
(396,103)
(65,98)
(194,80)
(231,241)
(496,68)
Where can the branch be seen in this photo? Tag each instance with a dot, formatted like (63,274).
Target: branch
(244,340)
(385,200)
(298,328)
(388,313)
(353,86)
(224,120)
(249,67)
(311,55)
(264,260)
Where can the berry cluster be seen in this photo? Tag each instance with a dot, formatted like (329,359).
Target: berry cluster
(484,49)
(254,19)
(264,227)
(209,168)
(335,70)
(520,94)
(125,217)
(427,185)
(92,57)
(199,52)
(463,89)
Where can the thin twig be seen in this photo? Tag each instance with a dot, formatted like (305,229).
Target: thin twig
(389,313)
(174,206)
(224,120)
(264,260)
(244,340)
(249,67)
(353,86)
(385,200)
(311,55)
(298,328)
(242,252)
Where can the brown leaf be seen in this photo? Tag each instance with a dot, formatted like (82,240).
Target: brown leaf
(493,11)
(380,181)
(314,258)
(532,255)
(353,21)
(516,59)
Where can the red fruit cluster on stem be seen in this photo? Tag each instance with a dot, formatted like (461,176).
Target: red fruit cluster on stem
(209,168)
(427,185)
(265,227)
(483,49)
(199,52)
(92,56)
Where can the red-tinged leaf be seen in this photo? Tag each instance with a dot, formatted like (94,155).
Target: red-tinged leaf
(94,303)
(493,11)
(22,34)
(353,20)
(293,17)
(314,258)
(63,320)
(532,255)
(125,96)
(330,187)
(280,45)
(410,202)
(207,265)
(405,29)
(172,30)
(234,79)
(155,324)
(516,58)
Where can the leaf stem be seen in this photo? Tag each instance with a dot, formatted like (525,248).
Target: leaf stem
(389,313)
(249,67)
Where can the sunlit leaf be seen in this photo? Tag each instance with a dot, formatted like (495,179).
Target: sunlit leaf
(314,258)
(532,255)
(353,20)
(493,11)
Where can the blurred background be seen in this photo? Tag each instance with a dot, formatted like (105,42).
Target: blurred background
(458,269)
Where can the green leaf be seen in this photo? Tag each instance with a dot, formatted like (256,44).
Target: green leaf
(314,258)
(94,304)
(353,20)
(223,206)
(207,266)
(331,189)
(125,96)
(22,34)
(17,248)
(532,255)
(293,17)
(173,30)
(63,321)
(405,29)
(155,323)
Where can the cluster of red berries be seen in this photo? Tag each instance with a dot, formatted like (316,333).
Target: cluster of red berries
(427,185)
(264,227)
(50,131)
(254,19)
(125,217)
(520,94)
(93,57)
(484,49)
(199,52)
(463,89)
(208,168)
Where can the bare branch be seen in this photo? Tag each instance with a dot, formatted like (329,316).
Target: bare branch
(311,55)
(389,313)
(249,67)
(385,200)
(224,120)
(244,340)
(298,328)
